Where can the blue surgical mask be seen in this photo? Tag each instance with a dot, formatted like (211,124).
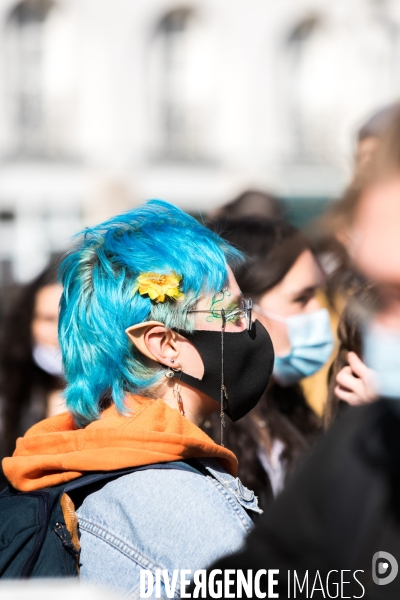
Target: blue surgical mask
(311,342)
(48,358)
(381,352)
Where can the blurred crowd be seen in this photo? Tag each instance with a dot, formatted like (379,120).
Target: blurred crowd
(306,292)
(326,297)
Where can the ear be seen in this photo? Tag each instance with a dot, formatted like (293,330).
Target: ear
(153,340)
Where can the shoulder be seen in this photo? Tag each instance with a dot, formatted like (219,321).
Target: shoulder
(176,518)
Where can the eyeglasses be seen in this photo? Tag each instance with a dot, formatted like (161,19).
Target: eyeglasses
(244,311)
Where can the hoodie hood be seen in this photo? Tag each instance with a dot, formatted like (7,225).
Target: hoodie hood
(55,451)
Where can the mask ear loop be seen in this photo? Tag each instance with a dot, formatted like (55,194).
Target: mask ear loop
(271,315)
(224,393)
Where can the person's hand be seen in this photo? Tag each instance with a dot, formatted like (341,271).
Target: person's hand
(356,383)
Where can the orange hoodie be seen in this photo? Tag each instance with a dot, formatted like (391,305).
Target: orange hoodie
(56,451)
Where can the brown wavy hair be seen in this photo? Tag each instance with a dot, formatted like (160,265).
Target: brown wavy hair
(349,332)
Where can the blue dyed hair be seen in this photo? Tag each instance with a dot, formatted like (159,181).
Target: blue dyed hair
(99,276)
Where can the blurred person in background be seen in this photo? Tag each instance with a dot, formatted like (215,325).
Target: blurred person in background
(372,131)
(340,511)
(282,276)
(329,239)
(251,203)
(351,382)
(31,375)
(329,235)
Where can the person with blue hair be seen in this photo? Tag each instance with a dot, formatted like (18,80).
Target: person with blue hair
(155,336)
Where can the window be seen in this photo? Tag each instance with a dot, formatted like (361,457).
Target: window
(301,81)
(40,64)
(180,99)
(337,72)
(24,65)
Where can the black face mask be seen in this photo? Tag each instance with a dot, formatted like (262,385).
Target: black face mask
(240,367)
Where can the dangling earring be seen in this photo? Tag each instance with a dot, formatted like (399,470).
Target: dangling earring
(170,373)
(177,392)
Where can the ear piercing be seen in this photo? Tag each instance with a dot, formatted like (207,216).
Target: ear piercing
(170,372)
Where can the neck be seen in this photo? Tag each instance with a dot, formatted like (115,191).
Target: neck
(197,406)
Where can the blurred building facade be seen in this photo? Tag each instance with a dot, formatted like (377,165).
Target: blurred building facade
(106,103)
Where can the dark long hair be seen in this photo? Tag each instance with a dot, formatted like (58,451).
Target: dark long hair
(20,377)
(271,248)
(251,203)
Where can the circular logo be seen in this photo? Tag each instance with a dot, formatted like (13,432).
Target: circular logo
(384,568)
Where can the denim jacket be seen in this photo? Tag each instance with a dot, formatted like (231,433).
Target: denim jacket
(162,519)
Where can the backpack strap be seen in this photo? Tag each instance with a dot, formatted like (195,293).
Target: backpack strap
(87,484)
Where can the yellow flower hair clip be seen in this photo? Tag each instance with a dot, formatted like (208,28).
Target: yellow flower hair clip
(159,286)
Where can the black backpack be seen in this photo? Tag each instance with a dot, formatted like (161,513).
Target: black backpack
(35,540)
